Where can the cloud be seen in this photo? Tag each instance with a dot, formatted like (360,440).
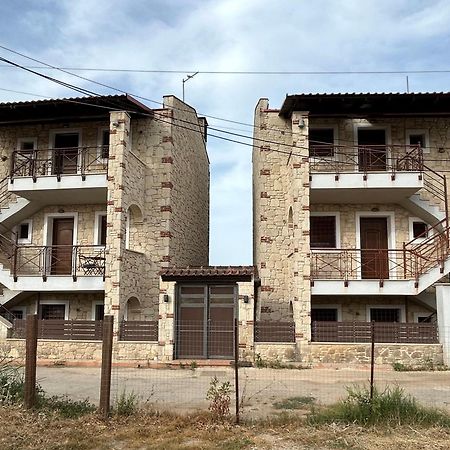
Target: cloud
(229,35)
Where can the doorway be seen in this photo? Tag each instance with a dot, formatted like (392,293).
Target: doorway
(372,151)
(374,248)
(205,321)
(62,246)
(65,158)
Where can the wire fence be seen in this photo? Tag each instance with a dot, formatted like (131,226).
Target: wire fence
(276,375)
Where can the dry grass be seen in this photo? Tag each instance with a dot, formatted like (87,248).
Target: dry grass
(23,430)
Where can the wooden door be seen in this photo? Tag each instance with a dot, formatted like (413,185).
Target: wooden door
(371,150)
(374,245)
(62,246)
(65,160)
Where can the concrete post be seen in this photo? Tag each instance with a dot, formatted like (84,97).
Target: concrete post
(443,318)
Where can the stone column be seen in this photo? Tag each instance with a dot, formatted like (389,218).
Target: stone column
(443,318)
(246,317)
(166,320)
(119,145)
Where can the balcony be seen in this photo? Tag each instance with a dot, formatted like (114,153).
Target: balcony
(54,267)
(365,174)
(50,176)
(405,271)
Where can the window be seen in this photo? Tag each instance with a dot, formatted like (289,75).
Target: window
(104,143)
(24,232)
(418,229)
(324,315)
(323,231)
(321,142)
(15,313)
(418,137)
(26,145)
(100,228)
(385,314)
(52,311)
(99,311)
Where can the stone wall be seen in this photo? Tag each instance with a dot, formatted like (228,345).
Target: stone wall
(281,216)
(408,354)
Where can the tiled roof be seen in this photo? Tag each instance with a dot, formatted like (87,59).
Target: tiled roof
(207,271)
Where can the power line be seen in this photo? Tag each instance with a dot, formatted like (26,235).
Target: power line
(241,72)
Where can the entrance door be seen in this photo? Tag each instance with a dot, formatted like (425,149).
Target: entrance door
(65,159)
(205,320)
(62,246)
(374,245)
(371,150)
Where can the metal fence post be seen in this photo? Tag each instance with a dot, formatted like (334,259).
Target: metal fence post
(105,380)
(372,359)
(30,361)
(236,366)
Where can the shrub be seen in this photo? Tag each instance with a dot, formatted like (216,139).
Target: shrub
(126,404)
(389,407)
(63,405)
(294,402)
(219,396)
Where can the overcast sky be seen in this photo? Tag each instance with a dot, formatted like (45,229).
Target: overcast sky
(250,35)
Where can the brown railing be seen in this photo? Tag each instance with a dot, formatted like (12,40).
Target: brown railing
(71,260)
(61,329)
(384,332)
(138,330)
(59,161)
(274,331)
(365,158)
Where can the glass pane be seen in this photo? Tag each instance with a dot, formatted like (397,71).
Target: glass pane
(323,231)
(192,290)
(221,290)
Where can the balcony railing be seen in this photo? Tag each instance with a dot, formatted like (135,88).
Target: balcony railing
(365,158)
(68,260)
(59,161)
(384,332)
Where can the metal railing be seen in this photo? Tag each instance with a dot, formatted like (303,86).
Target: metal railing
(70,260)
(384,332)
(59,161)
(380,264)
(365,158)
(60,329)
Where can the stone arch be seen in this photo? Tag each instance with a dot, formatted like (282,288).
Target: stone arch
(134,228)
(133,309)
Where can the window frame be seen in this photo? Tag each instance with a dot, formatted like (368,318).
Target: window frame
(338,309)
(401,308)
(337,231)
(97,226)
(426,133)
(29,238)
(411,230)
(54,302)
(100,144)
(96,303)
(335,141)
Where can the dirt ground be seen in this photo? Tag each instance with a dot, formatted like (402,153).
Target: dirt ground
(22,430)
(184,390)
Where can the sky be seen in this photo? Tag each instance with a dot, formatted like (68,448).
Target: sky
(227,35)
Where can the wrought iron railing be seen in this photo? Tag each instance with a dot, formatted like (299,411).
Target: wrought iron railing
(365,158)
(70,260)
(59,161)
(383,332)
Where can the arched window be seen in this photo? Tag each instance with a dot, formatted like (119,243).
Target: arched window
(133,309)
(290,218)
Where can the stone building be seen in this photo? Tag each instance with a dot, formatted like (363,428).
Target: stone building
(351,218)
(97,196)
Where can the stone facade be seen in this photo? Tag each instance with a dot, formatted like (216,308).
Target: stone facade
(282,207)
(156,203)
